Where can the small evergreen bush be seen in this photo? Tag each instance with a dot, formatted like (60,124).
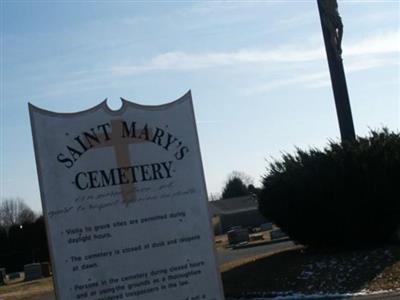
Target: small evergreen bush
(347,194)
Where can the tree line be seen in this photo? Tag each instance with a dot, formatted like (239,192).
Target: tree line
(23,237)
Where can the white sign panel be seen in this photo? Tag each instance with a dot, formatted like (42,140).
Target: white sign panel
(125,203)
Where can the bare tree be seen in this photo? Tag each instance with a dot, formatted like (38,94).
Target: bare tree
(14,211)
(214,197)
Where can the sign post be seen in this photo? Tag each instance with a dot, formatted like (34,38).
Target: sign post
(125,203)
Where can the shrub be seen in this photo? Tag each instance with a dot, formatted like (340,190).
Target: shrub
(347,194)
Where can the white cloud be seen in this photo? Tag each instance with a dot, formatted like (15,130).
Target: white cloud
(369,62)
(317,79)
(321,78)
(188,61)
(298,19)
(371,52)
(384,43)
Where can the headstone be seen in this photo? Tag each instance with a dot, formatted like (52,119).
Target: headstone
(33,271)
(14,275)
(277,234)
(266,226)
(238,236)
(46,271)
(257,237)
(125,203)
(2,275)
(236,227)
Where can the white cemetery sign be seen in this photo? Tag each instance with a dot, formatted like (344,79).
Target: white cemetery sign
(125,203)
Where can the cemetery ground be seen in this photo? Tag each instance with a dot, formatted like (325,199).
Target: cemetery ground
(283,269)
(20,290)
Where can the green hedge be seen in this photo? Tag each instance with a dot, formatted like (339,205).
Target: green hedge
(347,194)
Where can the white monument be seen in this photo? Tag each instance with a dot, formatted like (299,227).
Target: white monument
(125,203)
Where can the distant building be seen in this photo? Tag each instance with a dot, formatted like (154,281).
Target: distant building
(238,211)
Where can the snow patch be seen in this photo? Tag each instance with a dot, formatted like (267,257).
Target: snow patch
(292,295)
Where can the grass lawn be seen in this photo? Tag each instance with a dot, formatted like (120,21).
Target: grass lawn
(26,290)
(308,272)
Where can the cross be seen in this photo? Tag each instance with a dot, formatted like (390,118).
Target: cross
(332,29)
(121,150)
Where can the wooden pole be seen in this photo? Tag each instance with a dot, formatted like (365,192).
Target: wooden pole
(332,29)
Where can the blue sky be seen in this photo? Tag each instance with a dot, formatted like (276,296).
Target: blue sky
(257,71)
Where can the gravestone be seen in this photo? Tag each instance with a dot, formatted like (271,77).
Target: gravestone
(2,275)
(236,227)
(266,226)
(237,236)
(125,202)
(277,234)
(14,275)
(46,271)
(33,271)
(257,237)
